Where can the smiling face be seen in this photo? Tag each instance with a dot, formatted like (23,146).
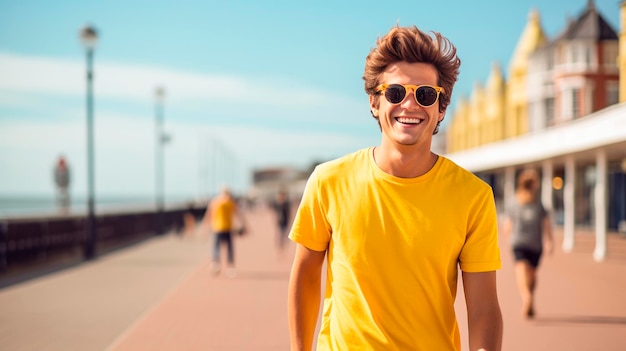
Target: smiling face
(407,123)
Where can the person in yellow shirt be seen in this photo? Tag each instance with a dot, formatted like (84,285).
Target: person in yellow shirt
(222,213)
(395,222)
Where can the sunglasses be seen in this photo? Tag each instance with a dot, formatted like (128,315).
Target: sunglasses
(425,95)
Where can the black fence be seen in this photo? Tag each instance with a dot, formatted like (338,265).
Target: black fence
(44,240)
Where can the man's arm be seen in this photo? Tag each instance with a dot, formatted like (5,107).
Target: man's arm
(303,299)
(238,214)
(207,215)
(548,239)
(507,226)
(483,311)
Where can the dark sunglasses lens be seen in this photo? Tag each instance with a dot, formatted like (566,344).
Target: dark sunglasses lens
(395,93)
(426,96)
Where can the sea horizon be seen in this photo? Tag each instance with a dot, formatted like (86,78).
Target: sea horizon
(13,206)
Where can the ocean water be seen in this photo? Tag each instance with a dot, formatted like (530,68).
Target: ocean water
(24,206)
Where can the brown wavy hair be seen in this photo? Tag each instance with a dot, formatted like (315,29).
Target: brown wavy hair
(410,44)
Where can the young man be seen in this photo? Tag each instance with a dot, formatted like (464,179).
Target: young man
(396,221)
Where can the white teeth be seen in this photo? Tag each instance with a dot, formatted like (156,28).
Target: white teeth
(409,120)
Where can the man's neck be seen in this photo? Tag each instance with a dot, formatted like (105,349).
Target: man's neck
(404,162)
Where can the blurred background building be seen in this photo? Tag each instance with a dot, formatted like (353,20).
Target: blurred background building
(267,182)
(560,108)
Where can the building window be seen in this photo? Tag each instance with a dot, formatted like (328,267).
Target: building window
(612,94)
(548,110)
(561,55)
(575,103)
(520,121)
(609,53)
(574,53)
(551,56)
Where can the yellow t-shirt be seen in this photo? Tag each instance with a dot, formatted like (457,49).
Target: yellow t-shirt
(394,248)
(222,210)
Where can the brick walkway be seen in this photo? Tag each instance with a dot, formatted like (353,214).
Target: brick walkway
(580,303)
(161,295)
(205,312)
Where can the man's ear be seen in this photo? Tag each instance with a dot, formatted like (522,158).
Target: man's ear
(373,109)
(442,114)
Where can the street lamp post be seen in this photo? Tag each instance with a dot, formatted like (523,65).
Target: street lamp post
(89,38)
(159,95)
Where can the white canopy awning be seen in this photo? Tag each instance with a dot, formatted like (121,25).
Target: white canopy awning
(603,129)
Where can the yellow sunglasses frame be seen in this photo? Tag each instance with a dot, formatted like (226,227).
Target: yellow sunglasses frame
(381,89)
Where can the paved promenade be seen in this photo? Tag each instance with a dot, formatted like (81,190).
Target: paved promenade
(161,295)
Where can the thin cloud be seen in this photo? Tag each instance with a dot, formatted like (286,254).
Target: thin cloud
(134,82)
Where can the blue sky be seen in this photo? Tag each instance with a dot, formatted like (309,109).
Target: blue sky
(248,84)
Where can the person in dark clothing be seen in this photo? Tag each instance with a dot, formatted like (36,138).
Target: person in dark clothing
(282,207)
(530,230)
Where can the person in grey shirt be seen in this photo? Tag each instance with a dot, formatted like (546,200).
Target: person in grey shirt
(528,225)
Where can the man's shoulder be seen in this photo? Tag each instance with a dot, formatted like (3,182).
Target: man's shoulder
(343,164)
(463,175)
(221,200)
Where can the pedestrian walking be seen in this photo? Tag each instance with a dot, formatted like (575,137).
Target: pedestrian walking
(396,221)
(529,228)
(222,213)
(282,209)
(62,181)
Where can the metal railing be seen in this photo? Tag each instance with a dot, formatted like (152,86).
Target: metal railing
(39,239)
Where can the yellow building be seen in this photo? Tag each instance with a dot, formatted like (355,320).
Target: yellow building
(497,110)
(556,112)
(495,101)
(475,115)
(532,37)
(457,128)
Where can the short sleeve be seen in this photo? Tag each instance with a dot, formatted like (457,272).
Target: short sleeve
(310,226)
(481,252)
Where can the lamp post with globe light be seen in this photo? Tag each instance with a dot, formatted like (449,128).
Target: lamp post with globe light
(159,95)
(89,38)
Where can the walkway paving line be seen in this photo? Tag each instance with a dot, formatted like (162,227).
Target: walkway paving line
(144,316)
